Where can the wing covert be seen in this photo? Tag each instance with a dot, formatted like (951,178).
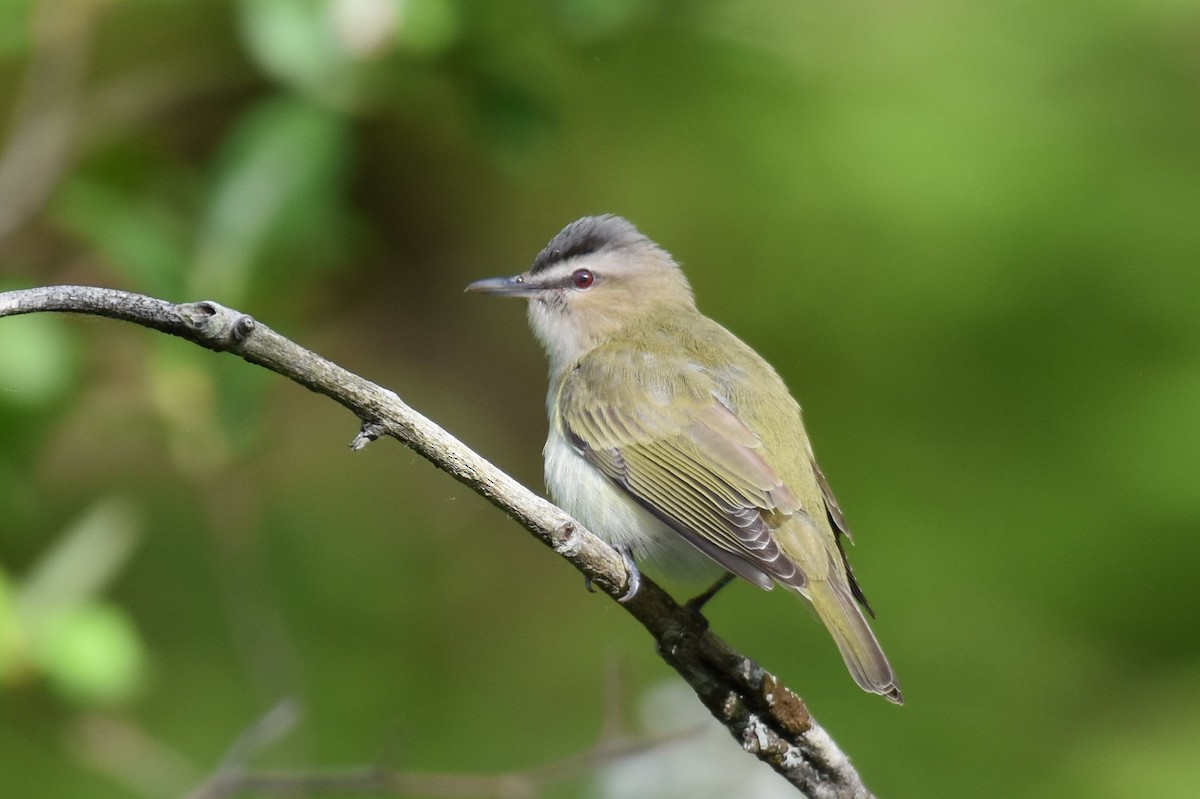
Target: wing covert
(684,455)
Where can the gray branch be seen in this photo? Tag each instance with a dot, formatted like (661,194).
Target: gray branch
(764,716)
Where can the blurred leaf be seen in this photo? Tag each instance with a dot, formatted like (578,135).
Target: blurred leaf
(139,233)
(364,28)
(290,38)
(88,650)
(274,212)
(298,42)
(91,654)
(428,27)
(39,360)
(82,562)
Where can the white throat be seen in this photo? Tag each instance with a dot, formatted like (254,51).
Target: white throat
(558,334)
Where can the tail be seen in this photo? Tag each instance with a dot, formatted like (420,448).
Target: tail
(841,615)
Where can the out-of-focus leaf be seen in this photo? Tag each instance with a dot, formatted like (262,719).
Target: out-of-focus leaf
(88,650)
(296,41)
(91,654)
(140,236)
(82,562)
(289,38)
(275,200)
(427,27)
(364,28)
(39,360)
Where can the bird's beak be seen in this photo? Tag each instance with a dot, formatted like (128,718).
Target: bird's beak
(515,286)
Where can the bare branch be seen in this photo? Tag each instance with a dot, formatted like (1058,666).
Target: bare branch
(762,714)
(128,754)
(388,781)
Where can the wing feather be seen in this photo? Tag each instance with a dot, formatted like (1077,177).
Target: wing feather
(841,530)
(680,451)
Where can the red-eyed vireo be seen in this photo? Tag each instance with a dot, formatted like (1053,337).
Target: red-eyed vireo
(673,440)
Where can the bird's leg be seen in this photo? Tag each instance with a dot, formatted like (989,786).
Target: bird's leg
(634,580)
(635,576)
(697,602)
(688,636)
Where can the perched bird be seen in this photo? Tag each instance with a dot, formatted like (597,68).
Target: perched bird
(673,440)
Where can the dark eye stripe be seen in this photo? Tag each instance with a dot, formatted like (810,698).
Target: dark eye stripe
(582,237)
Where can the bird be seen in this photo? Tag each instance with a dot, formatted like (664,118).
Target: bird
(676,442)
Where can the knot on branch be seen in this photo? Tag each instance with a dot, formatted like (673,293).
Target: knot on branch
(215,325)
(785,707)
(566,540)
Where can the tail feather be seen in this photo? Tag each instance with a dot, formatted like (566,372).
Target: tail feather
(842,616)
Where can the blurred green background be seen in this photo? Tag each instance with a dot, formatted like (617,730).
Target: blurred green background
(968,235)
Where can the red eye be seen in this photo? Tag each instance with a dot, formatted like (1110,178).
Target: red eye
(582,278)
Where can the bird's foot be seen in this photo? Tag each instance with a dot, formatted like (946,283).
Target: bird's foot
(633,580)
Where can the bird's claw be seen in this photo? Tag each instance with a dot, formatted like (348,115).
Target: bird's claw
(633,578)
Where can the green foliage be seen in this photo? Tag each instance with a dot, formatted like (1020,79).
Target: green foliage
(91,654)
(274,211)
(39,361)
(52,624)
(14,28)
(117,206)
(965,235)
